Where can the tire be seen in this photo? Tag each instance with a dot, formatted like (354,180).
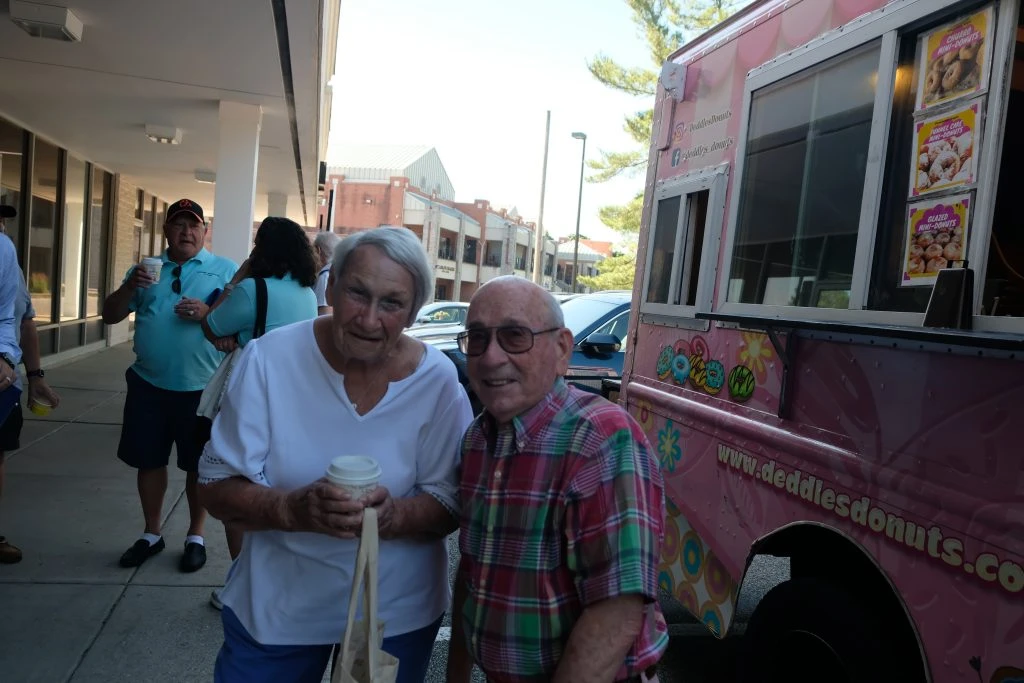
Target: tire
(811,630)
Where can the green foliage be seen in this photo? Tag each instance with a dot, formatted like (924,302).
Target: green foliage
(615,272)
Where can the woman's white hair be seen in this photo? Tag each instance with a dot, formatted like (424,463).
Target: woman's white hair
(402,246)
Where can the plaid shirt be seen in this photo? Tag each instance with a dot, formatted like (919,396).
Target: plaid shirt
(560,510)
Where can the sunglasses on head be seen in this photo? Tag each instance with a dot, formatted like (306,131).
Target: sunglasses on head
(176,285)
(511,338)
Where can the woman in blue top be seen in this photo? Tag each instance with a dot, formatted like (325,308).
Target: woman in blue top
(283,256)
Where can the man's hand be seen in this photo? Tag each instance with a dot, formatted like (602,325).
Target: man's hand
(39,389)
(140,279)
(191,309)
(225,344)
(7,376)
(324,508)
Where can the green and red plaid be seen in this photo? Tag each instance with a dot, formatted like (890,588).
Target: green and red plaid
(562,509)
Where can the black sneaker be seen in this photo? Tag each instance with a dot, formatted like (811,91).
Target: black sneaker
(140,552)
(194,557)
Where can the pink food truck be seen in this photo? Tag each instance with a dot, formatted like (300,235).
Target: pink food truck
(827,338)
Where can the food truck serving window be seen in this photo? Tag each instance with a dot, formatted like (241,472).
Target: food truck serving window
(686,222)
(802,185)
(876,157)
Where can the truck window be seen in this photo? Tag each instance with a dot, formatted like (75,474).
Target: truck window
(687,217)
(803,180)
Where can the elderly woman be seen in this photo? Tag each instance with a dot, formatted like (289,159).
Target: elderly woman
(283,258)
(349,383)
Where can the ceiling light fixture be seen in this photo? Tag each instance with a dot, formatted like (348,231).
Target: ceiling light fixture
(208,177)
(46,21)
(166,135)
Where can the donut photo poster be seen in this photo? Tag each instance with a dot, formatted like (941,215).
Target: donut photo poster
(936,238)
(953,60)
(946,150)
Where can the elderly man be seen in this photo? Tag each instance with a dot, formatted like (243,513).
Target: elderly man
(38,390)
(323,250)
(10,353)
(173,364)
(562,511)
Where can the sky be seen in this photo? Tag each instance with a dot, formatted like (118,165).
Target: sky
(475,78)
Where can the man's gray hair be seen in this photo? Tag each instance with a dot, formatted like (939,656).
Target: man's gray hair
(402,246)
(326,242)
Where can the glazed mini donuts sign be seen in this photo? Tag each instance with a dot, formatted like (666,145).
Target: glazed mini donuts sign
(936,238)
(945,155)
(953,60)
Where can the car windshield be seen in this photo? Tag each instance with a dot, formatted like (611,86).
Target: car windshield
(581,312)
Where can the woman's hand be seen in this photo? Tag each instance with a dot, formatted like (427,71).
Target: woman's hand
(380,498)
(324,508)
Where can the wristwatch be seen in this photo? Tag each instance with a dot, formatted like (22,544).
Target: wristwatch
(35,373)
(7,359)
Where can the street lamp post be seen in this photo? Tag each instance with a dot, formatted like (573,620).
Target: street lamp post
(579,206)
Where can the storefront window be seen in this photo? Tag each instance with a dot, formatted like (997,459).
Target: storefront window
(73,240)
(43,228)
(12,144)
(147,226)
(99,228)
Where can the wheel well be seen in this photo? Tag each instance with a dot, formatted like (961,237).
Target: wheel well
(818,551)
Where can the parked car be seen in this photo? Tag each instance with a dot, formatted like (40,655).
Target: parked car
(442,313)
(434,333)
(600,326)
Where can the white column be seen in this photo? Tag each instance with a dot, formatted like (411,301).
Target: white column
(237,157)
(277,204)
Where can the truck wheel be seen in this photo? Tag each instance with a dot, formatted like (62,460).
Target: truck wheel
(810,630)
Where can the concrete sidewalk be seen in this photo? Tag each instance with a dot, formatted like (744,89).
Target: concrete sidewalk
(70,612)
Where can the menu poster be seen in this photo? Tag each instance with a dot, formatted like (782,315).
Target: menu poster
(936,238)
(953,60)
(946,150)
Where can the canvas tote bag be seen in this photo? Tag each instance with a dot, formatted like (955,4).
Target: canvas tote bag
(360,659)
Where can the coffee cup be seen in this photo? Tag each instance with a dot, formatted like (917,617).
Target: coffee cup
(40,407)
(153,265)
(357,474)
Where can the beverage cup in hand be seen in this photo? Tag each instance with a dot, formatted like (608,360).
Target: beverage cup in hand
(40,406)
(152,265)
(357,474)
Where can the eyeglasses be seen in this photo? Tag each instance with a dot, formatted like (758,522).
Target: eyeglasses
(176,285)
(511,338)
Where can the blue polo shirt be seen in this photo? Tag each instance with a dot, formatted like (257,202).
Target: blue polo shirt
(171,353)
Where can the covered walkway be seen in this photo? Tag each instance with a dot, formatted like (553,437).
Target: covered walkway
(71,613)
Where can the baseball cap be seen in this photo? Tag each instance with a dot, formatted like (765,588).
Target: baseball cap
(185,206)
(7,211)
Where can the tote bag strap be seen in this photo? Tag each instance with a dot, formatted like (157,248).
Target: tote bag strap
(261,308)
(365,577)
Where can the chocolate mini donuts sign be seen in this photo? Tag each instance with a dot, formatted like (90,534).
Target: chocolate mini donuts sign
(953,60)
(936,238)
(946,149)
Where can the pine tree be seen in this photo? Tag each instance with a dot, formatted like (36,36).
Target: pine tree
(665,25)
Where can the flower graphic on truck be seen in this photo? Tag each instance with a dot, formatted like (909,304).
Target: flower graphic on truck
(669,451)
(755,352)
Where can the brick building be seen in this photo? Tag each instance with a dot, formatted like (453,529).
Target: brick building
(468,242)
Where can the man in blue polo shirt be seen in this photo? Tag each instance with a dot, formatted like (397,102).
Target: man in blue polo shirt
(173,363)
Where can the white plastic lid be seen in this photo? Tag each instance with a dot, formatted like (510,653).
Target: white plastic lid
(353,469)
